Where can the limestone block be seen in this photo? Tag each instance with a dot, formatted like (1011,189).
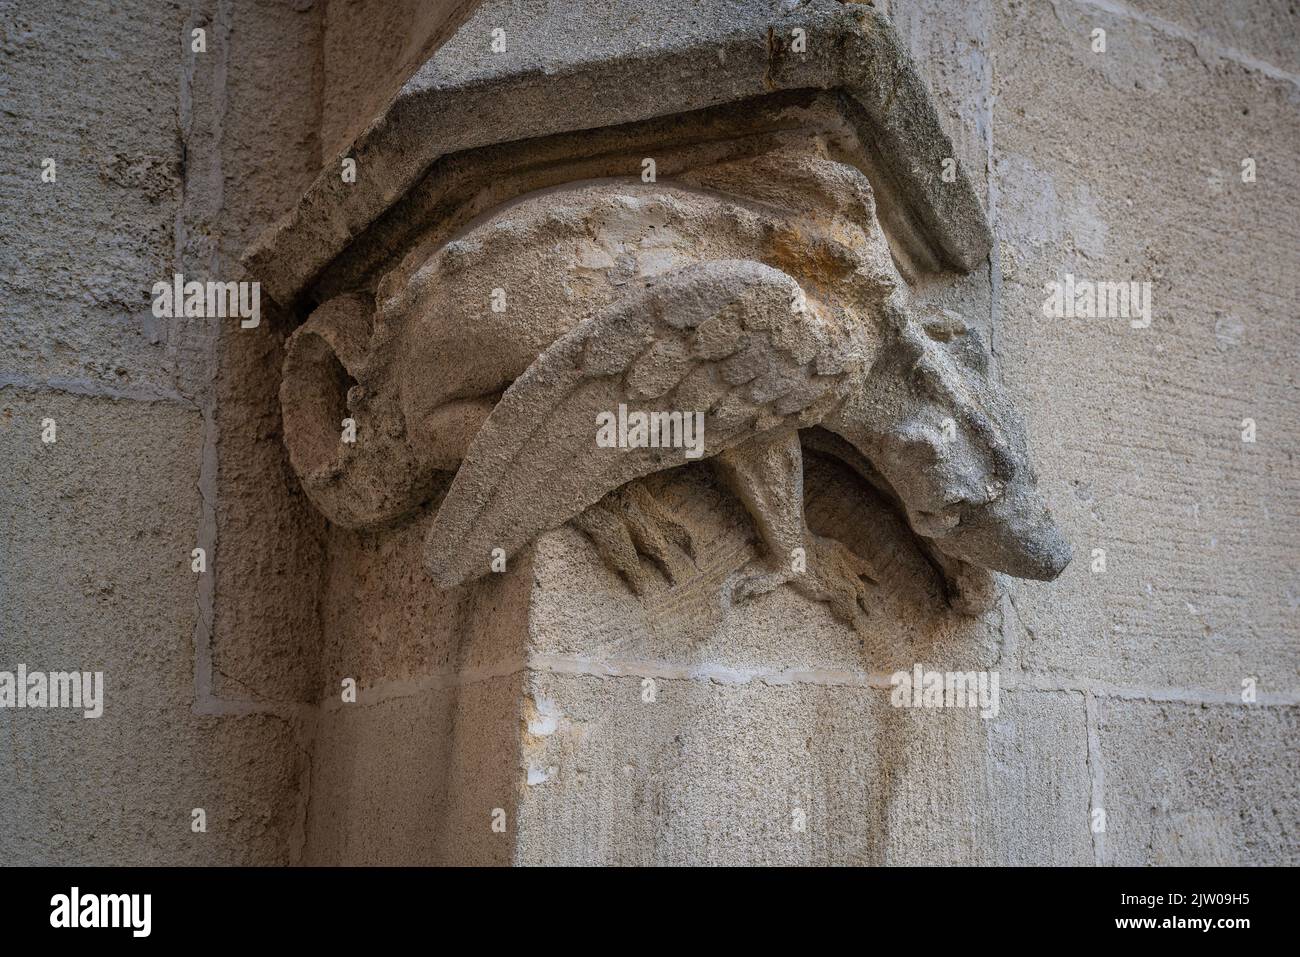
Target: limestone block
(1263,30)
(75,280)
(1123,166)
(96,561)
(716,772)
(1188,784)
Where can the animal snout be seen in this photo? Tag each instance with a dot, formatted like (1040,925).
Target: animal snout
(1045,553)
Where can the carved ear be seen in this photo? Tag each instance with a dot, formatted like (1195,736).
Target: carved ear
(345,442)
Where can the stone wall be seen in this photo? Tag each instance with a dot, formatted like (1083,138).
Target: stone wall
(166,160)
(600,728)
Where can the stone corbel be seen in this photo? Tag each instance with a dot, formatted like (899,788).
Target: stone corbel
(558,278)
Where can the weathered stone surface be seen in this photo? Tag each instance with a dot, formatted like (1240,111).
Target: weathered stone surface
(270,556)
(162,162)
(416,778)
(1140,430)
(711,772)
(114,588)
(548,84)
(250,164)
(582,609)
(96,566)
(79,256)
(663,298)
(121,789)
(368,51)
(587,632)
(1187,784)
(380,624)
(385,761)
(519,699)
(949,44)
(1267,31)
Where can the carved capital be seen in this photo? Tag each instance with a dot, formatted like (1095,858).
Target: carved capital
(543,317)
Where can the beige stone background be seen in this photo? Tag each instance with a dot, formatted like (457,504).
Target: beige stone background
(1122,690)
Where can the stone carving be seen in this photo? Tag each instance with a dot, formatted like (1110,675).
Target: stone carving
(758,292)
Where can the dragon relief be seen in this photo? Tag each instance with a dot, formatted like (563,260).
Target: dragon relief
(762,292)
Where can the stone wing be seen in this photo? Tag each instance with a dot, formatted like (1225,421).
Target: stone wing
(727,339)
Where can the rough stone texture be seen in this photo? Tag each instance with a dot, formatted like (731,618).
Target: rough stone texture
(269,547)
(655,296)
(124,786)
(368,51)
(523,691)
(364,756)
(76,299)
(113,552)
(96,571)
(162,167)
(414,770)
(582,608)
(945,41)
(1264,32)
(712,772)
(1192,784)
(571,64)
(1140,429)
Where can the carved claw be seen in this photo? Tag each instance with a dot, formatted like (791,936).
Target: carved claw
(767,475)
(759,577)
(829,572)
(838,576)
(628,525)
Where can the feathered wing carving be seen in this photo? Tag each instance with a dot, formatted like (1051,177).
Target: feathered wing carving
(725,338)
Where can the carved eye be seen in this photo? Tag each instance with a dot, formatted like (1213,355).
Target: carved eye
(945,327)
(959,339)
(917,442)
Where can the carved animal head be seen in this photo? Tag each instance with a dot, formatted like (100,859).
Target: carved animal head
(951,444)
